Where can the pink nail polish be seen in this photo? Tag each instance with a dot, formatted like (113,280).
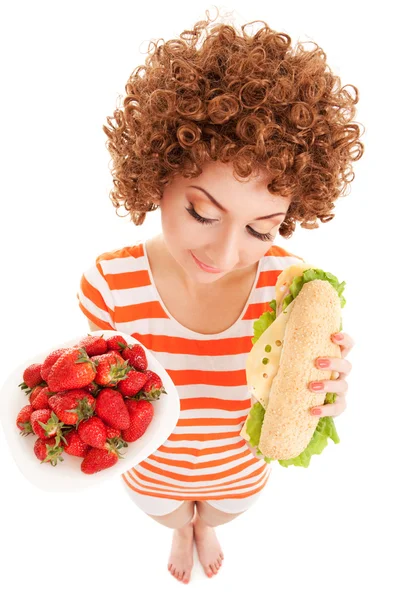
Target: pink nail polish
(323,363)
(338,336)
(316,411)
(317,385)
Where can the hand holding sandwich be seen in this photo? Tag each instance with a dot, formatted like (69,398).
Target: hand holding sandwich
(338,386)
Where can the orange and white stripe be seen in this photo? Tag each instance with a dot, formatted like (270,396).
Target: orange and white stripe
(204,458)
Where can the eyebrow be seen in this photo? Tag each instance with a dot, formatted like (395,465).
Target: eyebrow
(213,200)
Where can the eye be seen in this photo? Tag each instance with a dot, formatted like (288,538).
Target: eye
(262,236)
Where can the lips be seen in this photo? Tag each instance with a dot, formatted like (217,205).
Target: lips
(205,265)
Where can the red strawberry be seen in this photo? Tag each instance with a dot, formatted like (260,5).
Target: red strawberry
(98,459)
(31,377)
(93,344)
(45,424)
(116,342)
(74,445)
(93,388)
(48,451)
(112,432)
(136,356)
(23,421)
(133,383)
(93,432)
(153,387)
(72,406)
(141,413)
(41,400)
(73,369)
(110,368)
(111,409)
(35,392)
(49,362)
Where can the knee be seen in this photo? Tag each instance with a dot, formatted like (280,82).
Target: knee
(178,518)
(213,517)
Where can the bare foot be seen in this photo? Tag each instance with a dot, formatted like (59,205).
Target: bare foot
(208,547)
(180,560)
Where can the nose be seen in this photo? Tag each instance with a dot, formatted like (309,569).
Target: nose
(225,253)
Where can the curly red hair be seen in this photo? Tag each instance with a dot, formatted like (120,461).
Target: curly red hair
(253,101)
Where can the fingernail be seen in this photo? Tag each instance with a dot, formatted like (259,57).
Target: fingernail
(317,385)
(316,411)
(323,363)
(338,336)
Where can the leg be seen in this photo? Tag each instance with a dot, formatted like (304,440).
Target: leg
(180,561)
(208,546)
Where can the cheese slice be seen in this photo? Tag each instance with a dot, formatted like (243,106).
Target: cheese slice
(263,360)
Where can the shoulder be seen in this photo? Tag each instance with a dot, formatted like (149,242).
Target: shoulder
(282,252)
(278,258)
(122,256)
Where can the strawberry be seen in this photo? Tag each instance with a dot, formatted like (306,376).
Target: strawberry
(31,377)
(93,388)
(36,390)
(136,356)
(73,369)
(41,399)
(72,406)
(153,387)
(116,342)
(98,459)
(46,424)
(23,420)
(112,432)
(49,361)
(111,409)
(48,451)
(93,344)
(110,368)
(93,432)
(141,413)
(133,383)
(74,445)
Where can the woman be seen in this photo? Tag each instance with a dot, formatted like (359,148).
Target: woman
(235,139)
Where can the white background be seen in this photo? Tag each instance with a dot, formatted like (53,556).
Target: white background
(328,531)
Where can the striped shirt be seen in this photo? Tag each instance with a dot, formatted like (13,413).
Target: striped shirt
(204,457)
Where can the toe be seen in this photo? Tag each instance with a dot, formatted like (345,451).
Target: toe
(213,568)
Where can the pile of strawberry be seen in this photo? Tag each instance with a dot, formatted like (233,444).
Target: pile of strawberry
(89,401)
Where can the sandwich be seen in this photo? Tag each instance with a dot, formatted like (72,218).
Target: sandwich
(287,341)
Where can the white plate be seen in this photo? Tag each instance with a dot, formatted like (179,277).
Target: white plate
(67,476)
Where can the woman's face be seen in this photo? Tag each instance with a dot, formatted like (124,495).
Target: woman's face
(235,239)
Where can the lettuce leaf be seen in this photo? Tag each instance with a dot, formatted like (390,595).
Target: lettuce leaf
(325,428)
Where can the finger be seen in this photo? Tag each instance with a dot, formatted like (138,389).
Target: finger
(346,343)
(340,365)
(332,410)
(339,386)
